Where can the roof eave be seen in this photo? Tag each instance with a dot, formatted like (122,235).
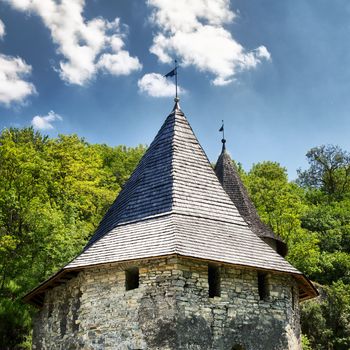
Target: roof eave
(36,296)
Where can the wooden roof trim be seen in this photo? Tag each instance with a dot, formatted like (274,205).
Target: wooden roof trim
(306,288)
(36,295)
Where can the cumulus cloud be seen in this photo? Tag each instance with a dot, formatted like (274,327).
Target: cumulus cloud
(2,29)
(45,122)
(120,63)
(156,85)
(13,70)
(87,46)
(13,87)
(194,32)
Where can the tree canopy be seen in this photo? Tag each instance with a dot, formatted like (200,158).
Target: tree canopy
(312,214)
(54,191)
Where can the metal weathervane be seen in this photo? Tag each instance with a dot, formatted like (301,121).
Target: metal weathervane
(171,74)
(222,129)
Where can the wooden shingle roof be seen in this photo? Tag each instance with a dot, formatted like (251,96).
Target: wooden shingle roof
(173,203)
(231,182)
(173,176)
(185,235)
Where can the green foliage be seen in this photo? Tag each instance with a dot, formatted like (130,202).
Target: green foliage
(15,325)
(329,171)
(313,216)
(15,320)
(53,193)
(281,205)
(305,342)
(330,222)
(326,322)
(278,201)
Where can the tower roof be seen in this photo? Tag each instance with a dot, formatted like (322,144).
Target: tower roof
(174,176)
(172,204)
(230,180)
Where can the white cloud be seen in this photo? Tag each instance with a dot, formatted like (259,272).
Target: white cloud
(118,64)
(194,32)
(13,87)
(86,45)
(2,29)
(156,85)
(13,70)
(45,122)
(263,53)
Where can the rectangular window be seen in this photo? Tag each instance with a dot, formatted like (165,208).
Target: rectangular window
(263,286)
(132,278)
(293,299)
(214,280)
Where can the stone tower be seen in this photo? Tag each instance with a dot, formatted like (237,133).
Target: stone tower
(172,265)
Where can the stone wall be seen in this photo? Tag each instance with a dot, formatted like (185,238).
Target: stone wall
(170,310)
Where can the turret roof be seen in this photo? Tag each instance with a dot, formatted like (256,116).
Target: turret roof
(230,180)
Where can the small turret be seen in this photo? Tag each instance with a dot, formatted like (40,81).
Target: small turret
(231,182)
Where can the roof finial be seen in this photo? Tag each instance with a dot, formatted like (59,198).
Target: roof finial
(222,129)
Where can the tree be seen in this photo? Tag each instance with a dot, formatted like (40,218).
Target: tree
(329,171)
(326,321)
(328,214)
(332,223)
(281,206)
(53,193)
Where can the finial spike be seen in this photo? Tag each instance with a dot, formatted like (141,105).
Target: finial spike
(222,129)
(176,79)
(176,106)
(223,145)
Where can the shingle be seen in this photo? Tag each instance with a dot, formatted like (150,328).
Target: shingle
(185,235)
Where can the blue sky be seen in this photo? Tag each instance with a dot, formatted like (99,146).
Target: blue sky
(277,72)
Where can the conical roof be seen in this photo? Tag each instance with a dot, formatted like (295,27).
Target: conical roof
(172,204)
(174,176)
(230,180)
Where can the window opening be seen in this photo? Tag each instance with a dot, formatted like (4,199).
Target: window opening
(237,347)
(262,286)
(214,280)
(132,278)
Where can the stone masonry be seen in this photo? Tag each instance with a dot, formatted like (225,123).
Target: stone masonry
(170,309)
